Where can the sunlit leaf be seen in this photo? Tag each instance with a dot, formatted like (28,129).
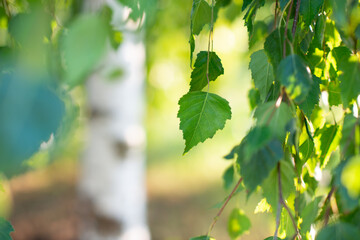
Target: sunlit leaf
(307,106)
(350,176)
(238,223)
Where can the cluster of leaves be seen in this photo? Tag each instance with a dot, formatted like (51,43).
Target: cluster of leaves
(305,69)
(47,48)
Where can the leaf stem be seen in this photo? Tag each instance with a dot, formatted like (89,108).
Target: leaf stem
(276,13)
(223,206)
(296,17)
(282,201)
(286,28)
(327,199)
(210,41)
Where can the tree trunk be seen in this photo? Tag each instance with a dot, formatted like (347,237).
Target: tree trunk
(113,165)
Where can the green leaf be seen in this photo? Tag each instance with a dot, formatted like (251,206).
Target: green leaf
(200,15)
(262,162)
(238,223)
(5,229)
(340,230)
(257,138)
(274,46)
(341,55)
(351,128)
(334,93)
(203,237)
(228,177)
(259,34)
(276,117)
(309,9)
(254,98)
(198,75)
(327,138)
(296,77)
(307,106)
(309,214)
(83,45)
(201,115)
(262,72)
(270,185)
(245,4)
(192,47)
(251,13)
(350,80)
(306,149)
(31,112)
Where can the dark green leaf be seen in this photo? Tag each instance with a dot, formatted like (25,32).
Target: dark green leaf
(198,75)
(257,138)
(200,15)
(5,229)
(262,162)
(251,13)
(238,223)
(341,55)
(296,77)
(347,142)
(276,117)
(274,46)
(312,99)
(262,73)
(340,230)
(83,45)
(228,177)
(201,115)
(270,185)
(309,9)
(31,112)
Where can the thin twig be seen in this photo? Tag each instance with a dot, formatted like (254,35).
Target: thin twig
(296,17)
(286,27)
(278,212)
(327,199)
(209,41)
(223,206)
(276,13)
(282,201)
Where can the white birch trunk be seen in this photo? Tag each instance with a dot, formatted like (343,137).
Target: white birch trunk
(113,164)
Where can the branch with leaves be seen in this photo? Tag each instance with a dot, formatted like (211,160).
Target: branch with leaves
(310,52)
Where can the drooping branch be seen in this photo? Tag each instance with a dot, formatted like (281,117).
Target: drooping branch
(282,202)
(223,206)
(296,17)
(286,27)
(327,199)
(210,43)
